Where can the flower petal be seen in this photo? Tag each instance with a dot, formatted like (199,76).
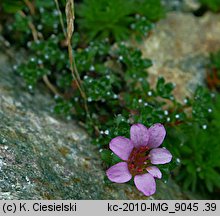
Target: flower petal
(119,173)
(145,183)
(154,171)
(121,146)
(139,135)
(160,156)
(157,133)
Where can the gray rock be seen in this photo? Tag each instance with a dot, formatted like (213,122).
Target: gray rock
(44,157)
(179,47)
(181,5)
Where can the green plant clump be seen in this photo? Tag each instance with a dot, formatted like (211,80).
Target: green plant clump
(213,5)
(200,153)
(115,18)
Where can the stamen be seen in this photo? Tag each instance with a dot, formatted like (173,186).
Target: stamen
(138,160)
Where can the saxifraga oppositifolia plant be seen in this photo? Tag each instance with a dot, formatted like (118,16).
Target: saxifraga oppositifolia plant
(118,92)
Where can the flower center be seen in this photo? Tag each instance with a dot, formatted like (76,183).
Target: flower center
(138,160)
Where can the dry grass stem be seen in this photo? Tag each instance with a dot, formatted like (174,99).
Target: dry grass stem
(70,17)
(61,18)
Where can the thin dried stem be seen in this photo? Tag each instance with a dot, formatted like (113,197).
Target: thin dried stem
(30,6)
(50,86)
(60,17)
(31,26)
(70,29)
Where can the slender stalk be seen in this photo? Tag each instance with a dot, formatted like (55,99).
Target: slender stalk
(30,6)
(70,29)
(60,17)
(50,86)
(31,26)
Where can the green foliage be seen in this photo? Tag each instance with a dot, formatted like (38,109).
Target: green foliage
(215,60)
(115,18)
(44,57)
(141,26)
(152,9)
(213,5)
(197,142)
(103,18)
(12,6)
(164,89)
(201,104)
(109,158)
(200,153)
(45,20)
(20,26)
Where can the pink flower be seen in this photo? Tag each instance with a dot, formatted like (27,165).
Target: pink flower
(140,153)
